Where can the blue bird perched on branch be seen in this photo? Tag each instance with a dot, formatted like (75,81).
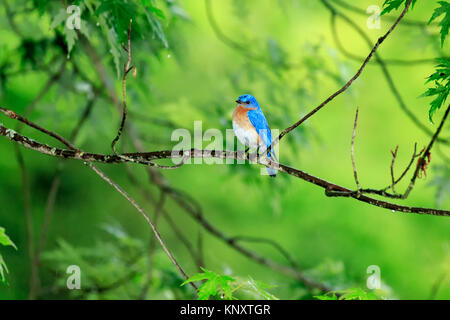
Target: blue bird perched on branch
(251,128)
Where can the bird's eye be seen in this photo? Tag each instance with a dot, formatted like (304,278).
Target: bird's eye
(247,102)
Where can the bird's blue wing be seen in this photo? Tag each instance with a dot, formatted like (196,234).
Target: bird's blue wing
(258,121)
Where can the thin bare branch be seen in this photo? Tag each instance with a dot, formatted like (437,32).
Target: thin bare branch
(355,172)
(126,69)
(381,62)
(146,217)
(427,153)
(394,156)
(349,82)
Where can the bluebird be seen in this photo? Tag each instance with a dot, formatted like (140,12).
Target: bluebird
(250,126)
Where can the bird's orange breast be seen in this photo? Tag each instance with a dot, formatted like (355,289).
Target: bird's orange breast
(241,120)
(240,117)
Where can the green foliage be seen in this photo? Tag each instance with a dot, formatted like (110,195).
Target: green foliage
(5,241)
(349,294)
(70,35)
(258,289)
(390,5)
(154,15)
(110,20)
(216,285)
(444,9)
(115,267)
(199,81)
(224,287)
(441,89)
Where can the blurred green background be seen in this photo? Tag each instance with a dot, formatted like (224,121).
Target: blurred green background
(192,68)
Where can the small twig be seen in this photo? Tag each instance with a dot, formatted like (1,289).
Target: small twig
(394,156)
(196,256)
(427,153)
(200,255)
(422,163)
(355,173)
(270,242)
(126,69)
(159,207)
(383,192)
(11,114)
(413,157)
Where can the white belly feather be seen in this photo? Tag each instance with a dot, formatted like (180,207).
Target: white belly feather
(246,137)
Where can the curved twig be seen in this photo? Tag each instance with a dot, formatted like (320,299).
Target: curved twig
(381,62)
(347,85)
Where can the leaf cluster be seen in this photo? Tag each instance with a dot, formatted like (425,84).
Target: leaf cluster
(224,287)
(441,88)
(4,241)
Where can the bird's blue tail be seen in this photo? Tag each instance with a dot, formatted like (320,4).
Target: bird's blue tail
(272,172)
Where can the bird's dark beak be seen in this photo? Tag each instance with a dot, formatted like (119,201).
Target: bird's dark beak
(238,101)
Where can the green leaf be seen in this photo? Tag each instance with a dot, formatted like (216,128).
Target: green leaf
(111,38)
(71,37)
(3,269)
(118,15)
(349,294)
(441,89)
(442,71)
(5,240)
(327,296)
(260,289)
(59,18)
(156,27)
(390,5)
(152,8)
(357,294)
(444,9)
(178,11)
(209,288)
(196,277)
(216,285)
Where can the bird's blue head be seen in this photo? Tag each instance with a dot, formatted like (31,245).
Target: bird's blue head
(248,101)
